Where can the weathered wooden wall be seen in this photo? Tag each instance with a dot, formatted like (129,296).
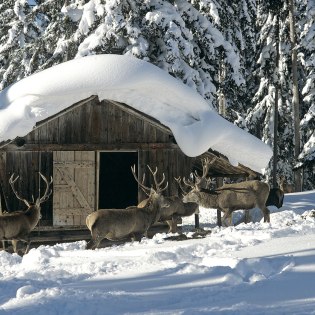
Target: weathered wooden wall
(97,122)
(26,165)
(81,132)
(171,162)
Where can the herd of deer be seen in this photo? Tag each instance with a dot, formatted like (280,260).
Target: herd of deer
(134,221)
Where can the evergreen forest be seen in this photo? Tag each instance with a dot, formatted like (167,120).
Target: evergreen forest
(252,60)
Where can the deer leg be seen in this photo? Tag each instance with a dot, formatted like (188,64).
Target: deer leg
(94,242)
(90,244)
(172,224)
(230,219)
(28,244)
(224,218)
(227,215)
(247,217)
(136,237)
(15,246)
(266,213)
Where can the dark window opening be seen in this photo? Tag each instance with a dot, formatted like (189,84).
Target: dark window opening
(117,186)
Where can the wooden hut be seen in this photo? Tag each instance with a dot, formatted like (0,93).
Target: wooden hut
(89,149)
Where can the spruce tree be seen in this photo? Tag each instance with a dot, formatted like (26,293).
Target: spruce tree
(224,50)
(307,54)
(273,74)
(13,40)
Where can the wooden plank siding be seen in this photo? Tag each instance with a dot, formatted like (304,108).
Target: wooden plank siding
(171,162)
(73,138)
(66,146)
(74,183)
(26,165)
(97,122)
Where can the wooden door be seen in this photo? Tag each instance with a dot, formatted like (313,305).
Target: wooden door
(74,186)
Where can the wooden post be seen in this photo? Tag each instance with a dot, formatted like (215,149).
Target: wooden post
(1,211)
(219,219)
(197,225)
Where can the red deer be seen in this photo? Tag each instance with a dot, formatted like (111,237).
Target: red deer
(230,197)
(134,222)
(285,186)
(176,209)
(17,226)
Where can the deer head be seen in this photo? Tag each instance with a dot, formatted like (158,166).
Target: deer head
(197,182)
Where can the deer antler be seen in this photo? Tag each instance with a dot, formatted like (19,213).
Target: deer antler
(47,192)
(46,195)
(196,184)
(189,182)
(143,187)
(179,182)
(206,163)
(12,182)
(157,184)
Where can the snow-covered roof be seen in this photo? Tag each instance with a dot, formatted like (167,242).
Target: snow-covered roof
(147,88)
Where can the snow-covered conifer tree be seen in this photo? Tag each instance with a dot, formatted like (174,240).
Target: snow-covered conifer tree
(227,44)
(273,74)
(13,40)
(307,48)
(225,50)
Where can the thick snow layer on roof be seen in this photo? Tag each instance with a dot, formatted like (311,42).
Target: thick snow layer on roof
(137,83)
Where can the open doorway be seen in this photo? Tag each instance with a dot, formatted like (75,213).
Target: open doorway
(117,186)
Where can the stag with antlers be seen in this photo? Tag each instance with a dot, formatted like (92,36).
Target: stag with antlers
(134,222)
(176,209)
(17,226)
(230,197)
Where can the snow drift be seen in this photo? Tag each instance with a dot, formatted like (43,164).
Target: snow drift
(256,268)
(147,88)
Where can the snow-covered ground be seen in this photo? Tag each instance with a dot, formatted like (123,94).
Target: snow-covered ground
(258,268)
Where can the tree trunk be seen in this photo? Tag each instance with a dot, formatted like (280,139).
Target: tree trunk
(295,101)
(275,115)
(222,72)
